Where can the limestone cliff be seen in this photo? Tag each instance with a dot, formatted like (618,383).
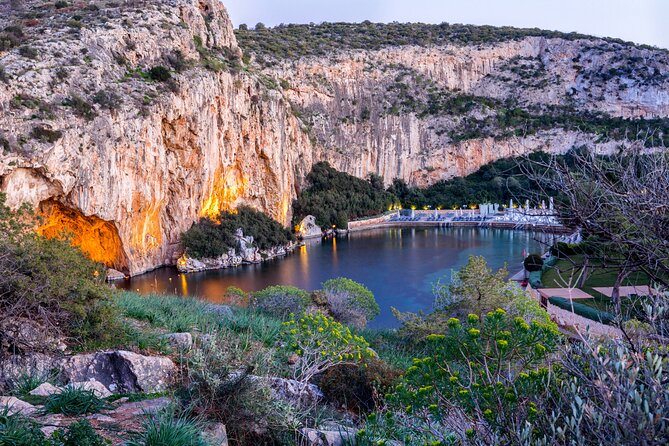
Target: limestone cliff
(122,122)
(127,163)
(425,113)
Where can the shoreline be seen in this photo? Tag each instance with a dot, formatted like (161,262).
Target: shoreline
(549,229)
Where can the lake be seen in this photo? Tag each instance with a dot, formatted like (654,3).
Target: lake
(400,266)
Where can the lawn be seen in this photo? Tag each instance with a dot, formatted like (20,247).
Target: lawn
(566,271)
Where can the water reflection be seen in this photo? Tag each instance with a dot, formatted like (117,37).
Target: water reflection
(398,265)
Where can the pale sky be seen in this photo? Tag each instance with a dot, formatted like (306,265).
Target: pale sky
(641,21)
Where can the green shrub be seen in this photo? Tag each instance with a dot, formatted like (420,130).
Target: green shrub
(322,343)
(281,300)
(492,369)
(160,74)
(45,135)
(79,433)
(209,238)
(533,262)
(71,402)
(80,106)
(583,310)
(17,430)
(350,302)
(52,282)
(168,428)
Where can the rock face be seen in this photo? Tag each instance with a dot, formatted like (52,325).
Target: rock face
(308,228)
(106,146)
(128,177)
(120,371)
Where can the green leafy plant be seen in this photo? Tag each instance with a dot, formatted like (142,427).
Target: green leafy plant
(281,300)
(533,262)
(17,430)
(169,428)
(79,433)
(488,372)
(350,302)
(320,342)
(72,401)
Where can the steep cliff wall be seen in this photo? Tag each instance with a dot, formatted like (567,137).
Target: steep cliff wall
(128,174)
(425,113)
(107,144)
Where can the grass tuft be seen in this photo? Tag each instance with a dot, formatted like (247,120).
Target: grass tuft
(168,428)
(73,402)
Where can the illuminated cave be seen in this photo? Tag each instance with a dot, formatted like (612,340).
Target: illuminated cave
(97,238)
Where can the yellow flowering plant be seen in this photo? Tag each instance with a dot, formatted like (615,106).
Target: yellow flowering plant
(486,370)
(320,342)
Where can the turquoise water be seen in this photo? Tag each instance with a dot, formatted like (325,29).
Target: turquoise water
(399,265)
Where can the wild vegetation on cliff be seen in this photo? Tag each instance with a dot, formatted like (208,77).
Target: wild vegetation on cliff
(293,41)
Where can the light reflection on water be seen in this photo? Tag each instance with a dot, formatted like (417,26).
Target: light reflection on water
(398,265)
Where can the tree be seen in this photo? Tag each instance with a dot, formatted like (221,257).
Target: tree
(474,286)
(621,202)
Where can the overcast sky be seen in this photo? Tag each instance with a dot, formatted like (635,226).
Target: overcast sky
(641,21)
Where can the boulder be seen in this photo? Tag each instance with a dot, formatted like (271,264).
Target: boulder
(34,364)
(92,385)
(179,341)
(187,264)
(114,275)
(45,390)
(224,311)
(216,434)
(121,371)
(294,392)
(15,405)
(308,228)
(24,335)
(332,436)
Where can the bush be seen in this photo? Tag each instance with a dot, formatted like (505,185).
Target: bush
(322,343)
(51,282)
(583,310)
(160,74)
(488,373)
(533,263)
(71,402)
(359,388)
(335,197)
(350,302)
(46,135)
(208,238)
(281,300)
(17,430)
(107,99)
(80,106)
(79,433)
(168,428)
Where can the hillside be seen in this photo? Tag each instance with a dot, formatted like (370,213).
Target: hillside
(125,122)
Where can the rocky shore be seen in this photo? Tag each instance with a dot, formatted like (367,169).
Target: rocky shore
(245,254)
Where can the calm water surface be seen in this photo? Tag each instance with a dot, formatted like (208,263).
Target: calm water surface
(398,265)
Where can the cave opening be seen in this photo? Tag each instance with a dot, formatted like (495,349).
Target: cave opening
(97,238)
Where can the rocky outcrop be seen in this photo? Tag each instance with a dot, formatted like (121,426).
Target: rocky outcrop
(120,371)
(126,159)
(308,228)
(246,253)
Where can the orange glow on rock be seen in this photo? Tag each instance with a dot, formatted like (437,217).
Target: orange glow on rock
(225,193)
(97,238)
